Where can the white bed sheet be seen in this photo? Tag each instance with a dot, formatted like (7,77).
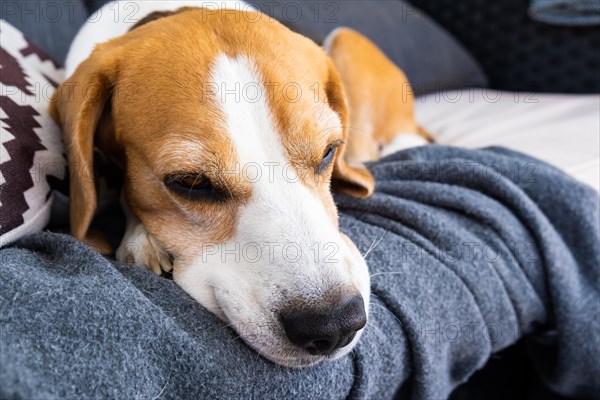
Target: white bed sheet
(563,130)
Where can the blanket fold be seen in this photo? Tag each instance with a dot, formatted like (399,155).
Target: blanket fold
(469,251)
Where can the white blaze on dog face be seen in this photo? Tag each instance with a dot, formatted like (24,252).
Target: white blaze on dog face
(286,250)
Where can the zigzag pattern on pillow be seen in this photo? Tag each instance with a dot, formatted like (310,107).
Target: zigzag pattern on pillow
(31,148)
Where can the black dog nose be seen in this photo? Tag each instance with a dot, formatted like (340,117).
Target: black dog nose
(320,332)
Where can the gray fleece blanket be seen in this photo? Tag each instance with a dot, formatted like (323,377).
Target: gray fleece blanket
(470,252)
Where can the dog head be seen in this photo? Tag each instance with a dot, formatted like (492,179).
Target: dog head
(231,132)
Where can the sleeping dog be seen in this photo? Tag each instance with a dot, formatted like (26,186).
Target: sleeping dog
(231,131)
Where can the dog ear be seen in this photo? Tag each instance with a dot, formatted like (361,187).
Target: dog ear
(79,107)
(354,180)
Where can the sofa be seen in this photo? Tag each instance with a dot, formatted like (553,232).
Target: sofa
(78,325)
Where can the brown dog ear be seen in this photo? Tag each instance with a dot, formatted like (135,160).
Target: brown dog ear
(78,106)
(354,180)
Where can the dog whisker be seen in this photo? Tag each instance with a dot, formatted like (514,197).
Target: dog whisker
(163,388)
(374,244)
(224,182)
(386,273)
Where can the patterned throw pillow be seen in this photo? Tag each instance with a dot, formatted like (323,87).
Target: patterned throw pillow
(31,149)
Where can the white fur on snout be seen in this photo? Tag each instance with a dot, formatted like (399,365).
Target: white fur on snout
(286,247)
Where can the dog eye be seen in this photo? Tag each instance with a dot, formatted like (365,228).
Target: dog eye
(327,158)
(193,187)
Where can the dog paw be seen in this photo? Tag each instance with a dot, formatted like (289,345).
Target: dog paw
(401,142)
(139,247)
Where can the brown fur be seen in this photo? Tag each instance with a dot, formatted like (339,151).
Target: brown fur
(380,98)
(150,111)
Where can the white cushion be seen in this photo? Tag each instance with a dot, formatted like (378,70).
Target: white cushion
(563,130)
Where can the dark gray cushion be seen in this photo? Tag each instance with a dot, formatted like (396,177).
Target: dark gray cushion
(431,58)
(520,54)
(51,25)
(429,55)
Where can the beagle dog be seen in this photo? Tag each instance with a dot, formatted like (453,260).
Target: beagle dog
(231,131)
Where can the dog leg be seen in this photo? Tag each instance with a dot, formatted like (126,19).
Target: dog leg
(401,142)
(139,247)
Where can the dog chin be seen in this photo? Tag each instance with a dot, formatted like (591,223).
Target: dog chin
(303,361)
(306,360)
(292,357)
